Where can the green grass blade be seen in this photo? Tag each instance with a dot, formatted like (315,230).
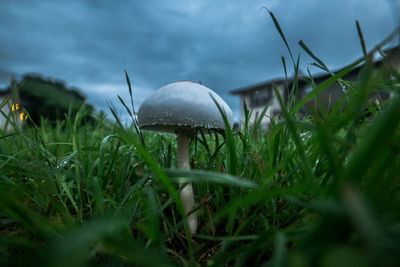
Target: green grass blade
(280,31)
(362,40)
(198,176)
(4,102)
(378,137)
(323,86)
(126,107)
(280,255)
(313,56)
(230,140)
(296,138)
(162,177)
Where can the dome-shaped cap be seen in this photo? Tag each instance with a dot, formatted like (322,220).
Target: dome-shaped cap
(182,105)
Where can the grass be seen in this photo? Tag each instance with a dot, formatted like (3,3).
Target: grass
(315,190)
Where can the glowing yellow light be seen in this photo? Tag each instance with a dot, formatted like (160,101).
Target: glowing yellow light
(15,107)
(23,116)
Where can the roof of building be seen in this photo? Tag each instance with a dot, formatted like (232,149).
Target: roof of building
(257,86)
(304,78)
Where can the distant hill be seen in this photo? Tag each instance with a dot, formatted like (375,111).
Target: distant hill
(47,98)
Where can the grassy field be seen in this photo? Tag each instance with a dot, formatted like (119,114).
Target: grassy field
(315,190)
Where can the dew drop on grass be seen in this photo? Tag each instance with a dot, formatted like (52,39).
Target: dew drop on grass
(62,164)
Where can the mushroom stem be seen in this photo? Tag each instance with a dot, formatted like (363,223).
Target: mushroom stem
(187,191)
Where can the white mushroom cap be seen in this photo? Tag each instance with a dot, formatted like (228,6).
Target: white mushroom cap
(182,105)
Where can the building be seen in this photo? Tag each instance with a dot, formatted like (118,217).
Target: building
(5,111)
(259,96)
(11,113)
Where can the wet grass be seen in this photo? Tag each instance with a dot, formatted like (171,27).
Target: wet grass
(321,189)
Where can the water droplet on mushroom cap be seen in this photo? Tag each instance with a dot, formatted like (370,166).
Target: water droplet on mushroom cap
(181,105)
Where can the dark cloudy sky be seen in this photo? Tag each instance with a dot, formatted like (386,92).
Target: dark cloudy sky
(226,44)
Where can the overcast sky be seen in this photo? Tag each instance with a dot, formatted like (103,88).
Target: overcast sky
(225,44)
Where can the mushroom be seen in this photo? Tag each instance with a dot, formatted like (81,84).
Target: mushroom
(181,108)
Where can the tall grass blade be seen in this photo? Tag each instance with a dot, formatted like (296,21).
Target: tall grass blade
(162,177)
(297,140)
(323,86)
(362,40)
(198,176)
(378,137)
(4,102)
(230,140)
(313,56)
(126,107)
(280,31)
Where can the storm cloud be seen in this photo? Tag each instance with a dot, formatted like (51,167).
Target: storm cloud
(223,44)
